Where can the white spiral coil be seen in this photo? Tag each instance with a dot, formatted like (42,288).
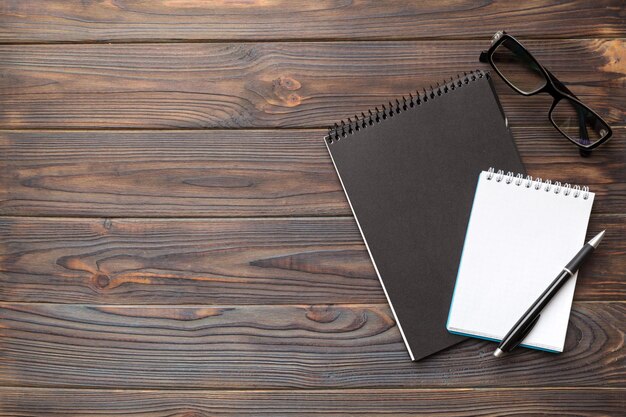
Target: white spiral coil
(538,183)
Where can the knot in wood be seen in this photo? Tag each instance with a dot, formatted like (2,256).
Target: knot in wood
(102,280)
(284,88)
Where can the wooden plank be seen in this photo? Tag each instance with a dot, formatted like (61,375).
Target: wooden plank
(168,173)
(271,84)
(266,347)
(363,402)
(72,21)
(204,261)
(233,173)
(262,261)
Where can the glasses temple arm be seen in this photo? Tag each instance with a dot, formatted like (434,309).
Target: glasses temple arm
(582,125)
(584,136)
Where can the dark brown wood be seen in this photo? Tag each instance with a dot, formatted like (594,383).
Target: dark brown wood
(148,304)
(362,402)
(238,261)
(230,173)
(263,347)
(271,84)
(70,21)
(168,173)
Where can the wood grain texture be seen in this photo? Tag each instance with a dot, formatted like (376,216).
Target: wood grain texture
(272,84)
(218,272)
(234,173)
(176,262)
(362,402)
(244,261)
(264,347)
(168,173)
(71,21)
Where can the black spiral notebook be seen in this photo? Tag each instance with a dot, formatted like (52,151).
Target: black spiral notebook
(409,170)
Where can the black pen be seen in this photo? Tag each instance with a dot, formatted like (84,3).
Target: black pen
(525,324)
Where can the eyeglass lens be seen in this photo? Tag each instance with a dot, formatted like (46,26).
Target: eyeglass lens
(578,123)
(518,67)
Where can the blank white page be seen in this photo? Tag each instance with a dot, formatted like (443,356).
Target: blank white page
(518,240)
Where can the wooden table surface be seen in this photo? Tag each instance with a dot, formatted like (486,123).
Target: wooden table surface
(174,240)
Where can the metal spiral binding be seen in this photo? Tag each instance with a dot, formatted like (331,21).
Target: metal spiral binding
(538,183)
(374,116)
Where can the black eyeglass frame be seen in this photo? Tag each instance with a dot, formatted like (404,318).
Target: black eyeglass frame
(552,86)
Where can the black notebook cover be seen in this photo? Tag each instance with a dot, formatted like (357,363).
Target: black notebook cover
(409,171)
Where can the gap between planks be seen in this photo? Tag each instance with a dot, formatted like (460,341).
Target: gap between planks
(156,41)
(278,306)
(321,129)
(311,390)
(209,218)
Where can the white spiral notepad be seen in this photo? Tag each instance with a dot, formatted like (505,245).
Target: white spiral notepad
(521,233)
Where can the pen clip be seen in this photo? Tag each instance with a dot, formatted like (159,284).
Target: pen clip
(527,330)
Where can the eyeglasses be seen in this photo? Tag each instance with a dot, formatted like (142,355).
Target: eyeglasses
(524,74)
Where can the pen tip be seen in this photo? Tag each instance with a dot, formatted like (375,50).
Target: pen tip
(498,352)
(595,242)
